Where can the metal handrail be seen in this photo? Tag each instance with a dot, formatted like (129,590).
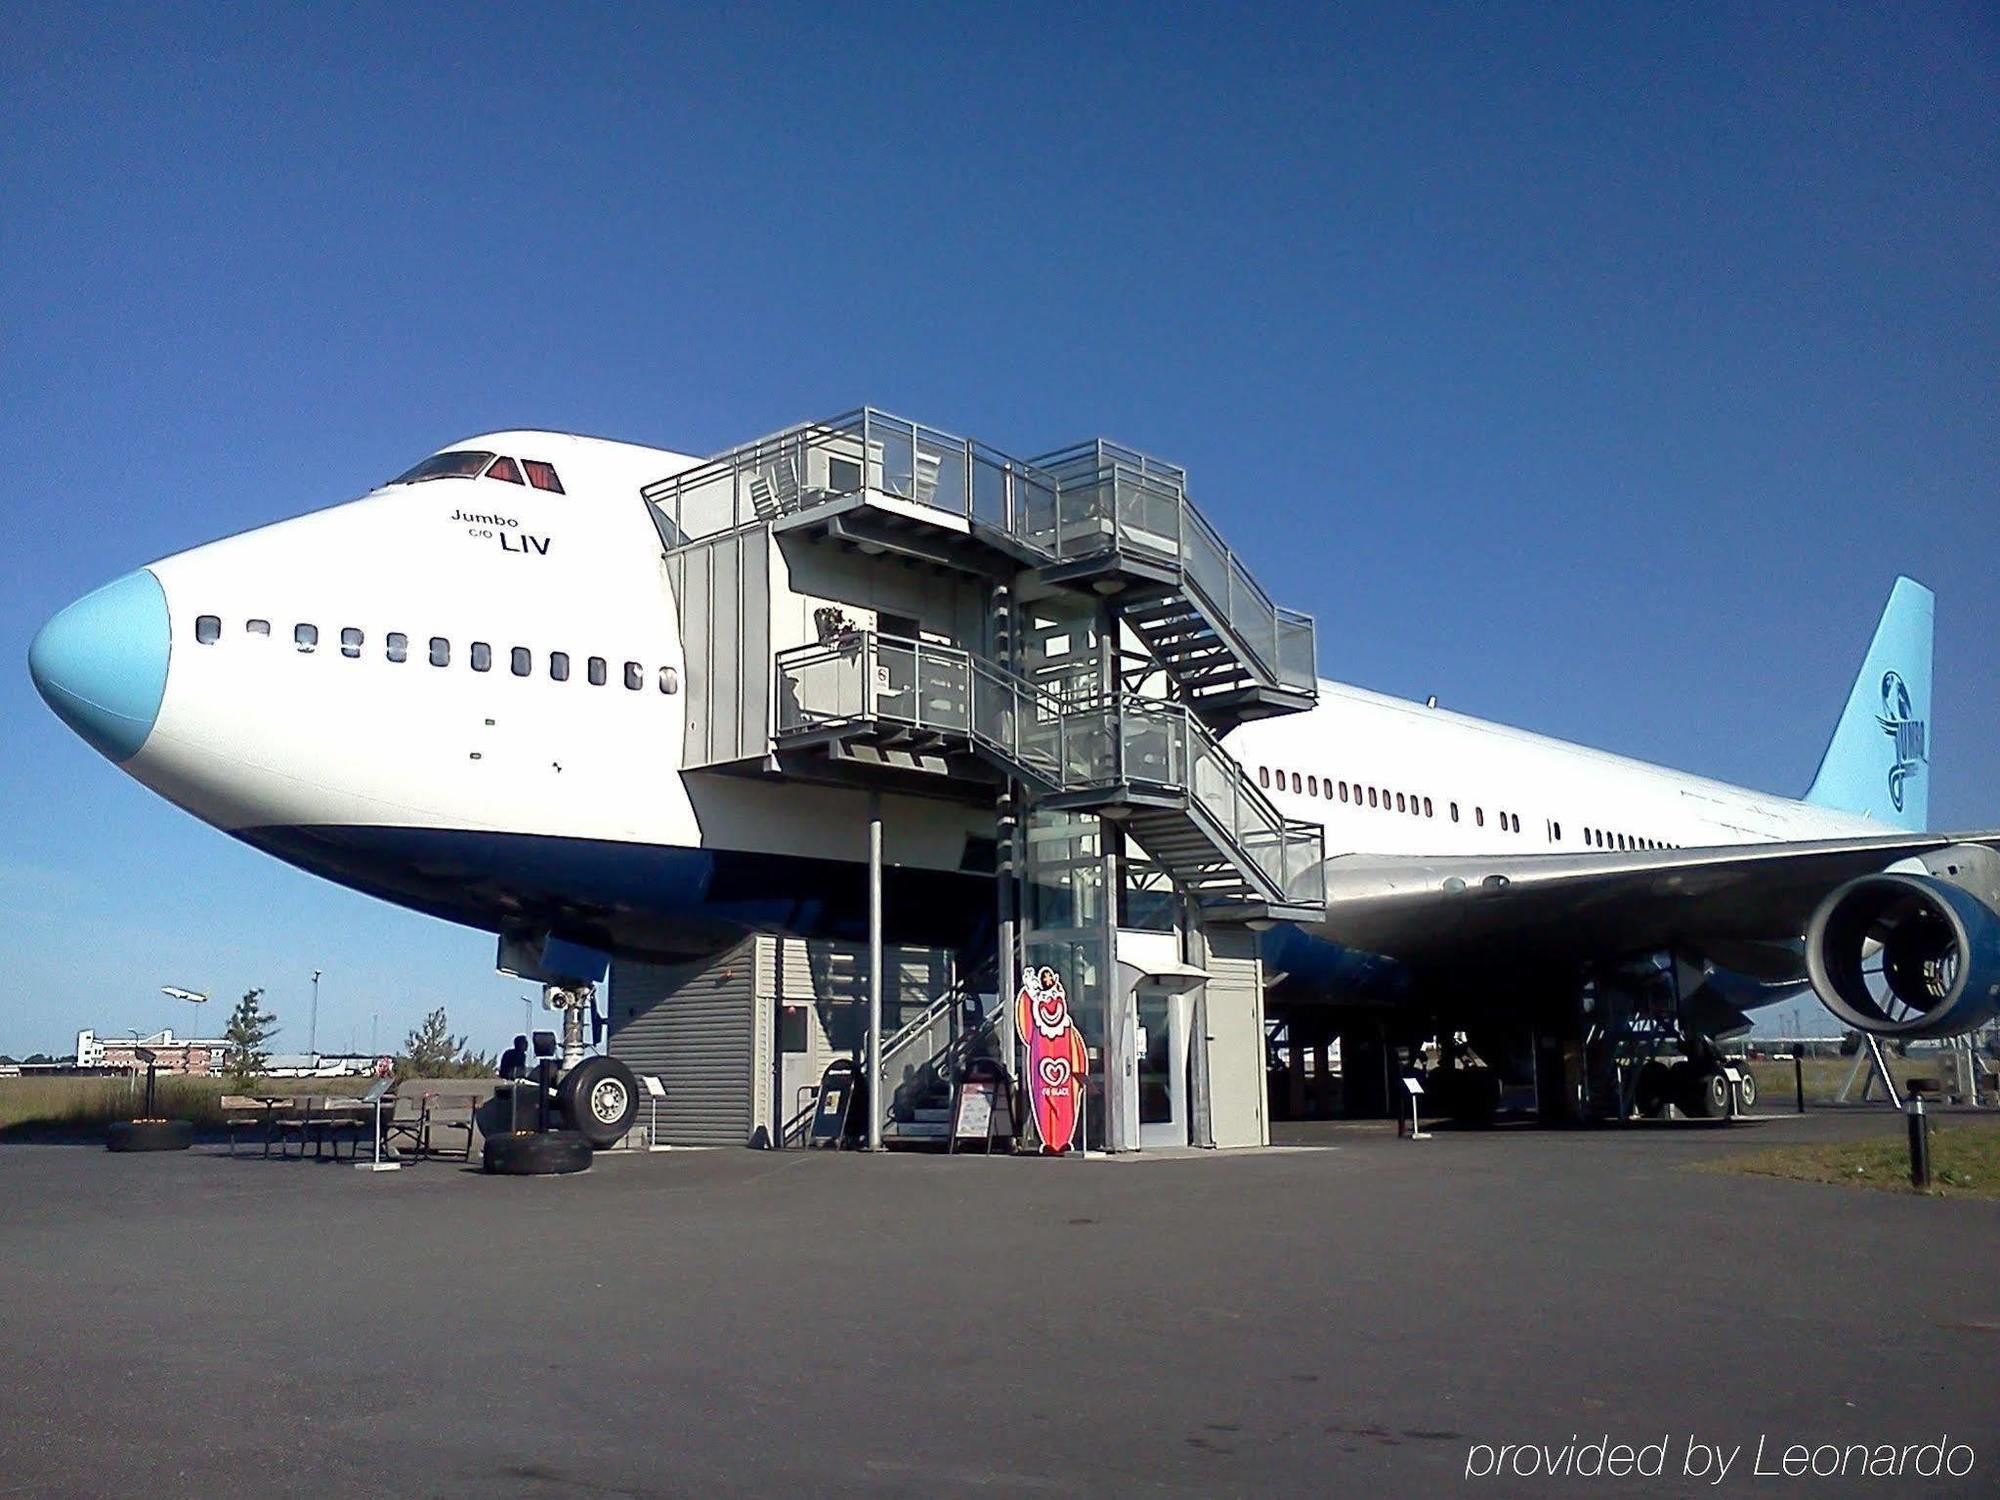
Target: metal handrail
(1161,743)
(866,451)
(858,452)
(943,689)
(1112,740)
(1232,596)
(954,994)
(946,1056)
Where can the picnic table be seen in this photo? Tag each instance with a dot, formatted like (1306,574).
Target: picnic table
(311,1117)
(431,1117)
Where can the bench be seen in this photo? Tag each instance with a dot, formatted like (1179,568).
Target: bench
(451,1115)
(239,1110)
(405,1122)
(349,1117)
(294,1119)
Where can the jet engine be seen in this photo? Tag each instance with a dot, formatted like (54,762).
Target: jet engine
(1912,955)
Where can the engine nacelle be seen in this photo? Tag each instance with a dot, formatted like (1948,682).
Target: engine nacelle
(1908,955)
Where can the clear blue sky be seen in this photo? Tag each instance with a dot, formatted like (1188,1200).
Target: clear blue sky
(1593,369)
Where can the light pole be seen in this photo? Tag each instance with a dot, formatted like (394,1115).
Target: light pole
(312,1025)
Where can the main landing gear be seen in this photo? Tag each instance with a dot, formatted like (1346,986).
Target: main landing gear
(1700,1090)
(580,1106)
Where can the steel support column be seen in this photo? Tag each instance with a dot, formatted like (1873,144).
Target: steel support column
(873,1080)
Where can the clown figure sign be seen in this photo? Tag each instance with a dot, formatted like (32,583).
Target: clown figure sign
(1057,1061)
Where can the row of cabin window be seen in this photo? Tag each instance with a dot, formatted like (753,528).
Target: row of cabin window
(1411,803)
(1597,838)
(396,647)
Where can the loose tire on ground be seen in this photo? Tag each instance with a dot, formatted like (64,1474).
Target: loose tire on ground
(599,1097)
(530,1154)
(149,1135)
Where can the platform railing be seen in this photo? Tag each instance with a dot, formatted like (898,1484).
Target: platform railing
(1130,741)
(862,452)
(1113,497)
(1110,744)
(1075,503)
(866,677)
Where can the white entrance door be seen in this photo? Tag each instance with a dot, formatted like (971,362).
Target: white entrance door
(1163,1072)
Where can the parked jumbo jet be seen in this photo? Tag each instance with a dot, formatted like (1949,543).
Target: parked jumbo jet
(461,693)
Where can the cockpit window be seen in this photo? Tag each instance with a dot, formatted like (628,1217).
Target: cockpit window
(505,468)
(461,465)
(542,476)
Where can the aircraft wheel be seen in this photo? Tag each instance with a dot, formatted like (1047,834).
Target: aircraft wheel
(600,1098)
(1706,1095)
(1653,1091)
(532,1154)
(149,1135)
(1746,1090)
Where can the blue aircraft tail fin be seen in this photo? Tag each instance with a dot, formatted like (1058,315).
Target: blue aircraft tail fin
(1879,759)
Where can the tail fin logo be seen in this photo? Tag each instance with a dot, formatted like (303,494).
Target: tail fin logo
(1909,734)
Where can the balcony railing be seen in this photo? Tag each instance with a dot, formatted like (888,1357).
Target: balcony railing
(1076,503)
(1107,744)
(864,452)
(1129,740)
(1111,497)
(866,677)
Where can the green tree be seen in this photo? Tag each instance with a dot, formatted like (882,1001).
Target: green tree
(250,1029)
(431,1051)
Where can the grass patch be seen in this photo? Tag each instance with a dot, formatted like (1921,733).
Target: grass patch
(1776,1087)
(61,1107)
(1965,1161)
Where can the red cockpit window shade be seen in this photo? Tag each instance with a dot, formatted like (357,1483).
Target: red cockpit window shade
(505,468)
(542,476)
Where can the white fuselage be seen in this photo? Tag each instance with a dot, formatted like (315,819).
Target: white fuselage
(1465,783)
(260,731)
(471,656)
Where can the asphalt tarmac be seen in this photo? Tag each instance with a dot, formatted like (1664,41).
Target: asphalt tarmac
(1357,1315)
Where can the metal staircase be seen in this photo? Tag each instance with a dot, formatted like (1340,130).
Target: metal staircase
(1152,765)
(1095,515)
(1097,519)
(1148,761)
(1124,526)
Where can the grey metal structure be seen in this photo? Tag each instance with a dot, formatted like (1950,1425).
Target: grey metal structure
(1065,639)
(741,1038)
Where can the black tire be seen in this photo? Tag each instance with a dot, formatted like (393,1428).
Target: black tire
(599,1097)
(1746,1090)
(1707,1096)
(1653,1091)
(530,1154)
(149,1135)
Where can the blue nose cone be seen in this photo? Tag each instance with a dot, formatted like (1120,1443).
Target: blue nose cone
(102,663)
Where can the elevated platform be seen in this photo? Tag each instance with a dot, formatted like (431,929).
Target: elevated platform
(1096,516)
(1148,762)
(1057,645)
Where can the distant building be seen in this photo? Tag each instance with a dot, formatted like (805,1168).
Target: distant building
(208,1056)
(171,1054)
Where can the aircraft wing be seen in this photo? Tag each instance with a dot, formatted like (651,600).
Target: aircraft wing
(1744,905)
